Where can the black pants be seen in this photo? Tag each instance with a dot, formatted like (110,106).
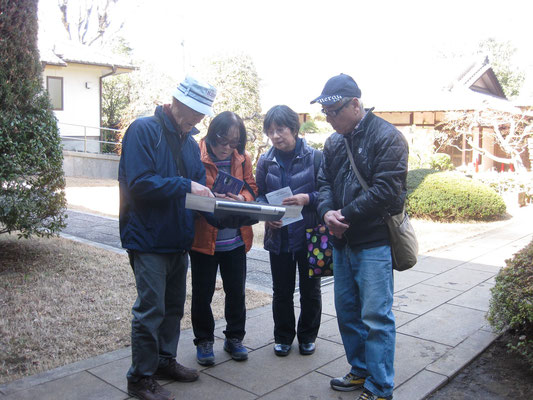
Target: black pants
(283,267)
(204,274)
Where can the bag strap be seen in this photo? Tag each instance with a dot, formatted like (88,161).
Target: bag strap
(363,183)
(175,145)
(246,185)
(354,168)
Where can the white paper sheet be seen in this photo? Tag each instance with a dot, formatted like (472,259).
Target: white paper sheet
(276,198)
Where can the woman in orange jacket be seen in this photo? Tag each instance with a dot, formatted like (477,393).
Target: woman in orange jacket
(222,150)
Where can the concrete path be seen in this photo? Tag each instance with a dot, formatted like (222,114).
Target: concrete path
(440,308)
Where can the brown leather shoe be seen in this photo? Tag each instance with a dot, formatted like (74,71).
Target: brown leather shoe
(148,389)
(176,372)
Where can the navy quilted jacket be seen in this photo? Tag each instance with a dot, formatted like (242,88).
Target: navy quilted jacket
(153,217)
(301,179)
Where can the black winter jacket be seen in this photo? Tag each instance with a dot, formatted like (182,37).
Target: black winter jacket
(380,152)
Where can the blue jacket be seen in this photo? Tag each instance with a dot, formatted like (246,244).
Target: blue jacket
(301,179)
(153,217)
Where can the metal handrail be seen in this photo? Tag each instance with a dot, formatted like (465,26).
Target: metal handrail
(64,135)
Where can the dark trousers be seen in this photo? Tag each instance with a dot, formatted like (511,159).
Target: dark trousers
(204,274)
(283,267)
(157,312)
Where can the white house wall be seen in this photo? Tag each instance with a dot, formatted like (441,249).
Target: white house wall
(80,116)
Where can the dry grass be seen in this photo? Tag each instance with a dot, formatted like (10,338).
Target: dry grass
(64,301)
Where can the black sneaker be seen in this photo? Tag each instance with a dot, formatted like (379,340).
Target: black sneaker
(148,389)
(347,383)
(236,349)
(368,395)
(282,350)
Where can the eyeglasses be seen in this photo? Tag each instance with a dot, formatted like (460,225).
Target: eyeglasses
(222,141)
(334,113)
(280,130)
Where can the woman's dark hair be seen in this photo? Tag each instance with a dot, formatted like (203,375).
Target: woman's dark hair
(221,124)
(282,116)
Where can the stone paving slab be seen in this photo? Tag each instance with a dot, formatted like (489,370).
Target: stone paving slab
(436,264)
(447,324)
(413,355)
(457,358)
(312,386)
(477,298)
(265,372)
(459,278)
(405,279)
(209,388)
(420,386)
(422,298)
(81,385)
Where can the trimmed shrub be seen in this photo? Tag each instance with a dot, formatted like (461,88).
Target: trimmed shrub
(32,199)
(511,305)
(441,162)
(450,196)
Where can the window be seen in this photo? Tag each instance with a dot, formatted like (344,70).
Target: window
(54,85)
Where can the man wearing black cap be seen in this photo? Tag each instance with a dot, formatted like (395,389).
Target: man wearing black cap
(159,165)
(362,256)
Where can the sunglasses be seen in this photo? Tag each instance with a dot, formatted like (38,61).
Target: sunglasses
(334,113)
(222,141)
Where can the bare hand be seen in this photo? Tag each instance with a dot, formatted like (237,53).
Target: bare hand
(220,195)
(336,223)
(200,190)
(301,199)
(238,197)
(274,224)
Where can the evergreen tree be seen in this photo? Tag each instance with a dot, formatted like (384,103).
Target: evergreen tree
(32,199)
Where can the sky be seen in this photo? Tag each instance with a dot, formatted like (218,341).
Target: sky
(297,45)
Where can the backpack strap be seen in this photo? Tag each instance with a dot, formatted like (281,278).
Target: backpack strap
(317,159)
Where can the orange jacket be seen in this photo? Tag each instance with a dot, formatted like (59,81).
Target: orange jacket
(205,234)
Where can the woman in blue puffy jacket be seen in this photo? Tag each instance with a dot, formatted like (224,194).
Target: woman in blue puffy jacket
(290,162)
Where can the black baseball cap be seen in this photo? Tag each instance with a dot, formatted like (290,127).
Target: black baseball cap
(336,88)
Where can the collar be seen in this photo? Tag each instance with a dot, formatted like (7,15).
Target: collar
(361,124)
(167,111)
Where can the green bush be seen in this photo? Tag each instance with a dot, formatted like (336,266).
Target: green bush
(450,196)
(308,127)
(511,305)
(441,162)
(32,199)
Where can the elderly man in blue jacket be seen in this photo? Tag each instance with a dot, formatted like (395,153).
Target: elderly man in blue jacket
(160,164)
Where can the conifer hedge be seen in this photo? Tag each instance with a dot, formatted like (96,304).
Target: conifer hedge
(32,199)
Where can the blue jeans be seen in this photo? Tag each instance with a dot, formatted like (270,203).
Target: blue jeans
(157,312)
(363,301)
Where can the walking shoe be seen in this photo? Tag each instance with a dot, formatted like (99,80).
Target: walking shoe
(368,395)
(281,350)
(347,383)
(176,372)
(148,389)
(307,349)
(204,353)
(236,349)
